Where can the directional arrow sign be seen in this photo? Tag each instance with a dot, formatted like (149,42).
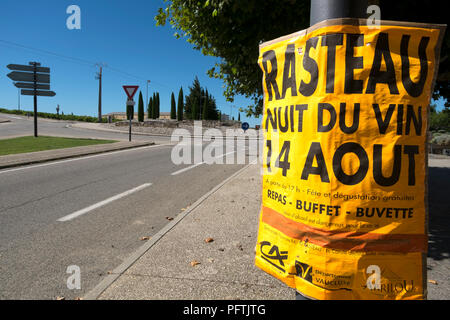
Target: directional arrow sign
(21,67)
(38,93)
(27,85)
(130,91)
(29,77)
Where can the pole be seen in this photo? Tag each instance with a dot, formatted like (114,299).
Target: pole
(100,96)
(146,96)
(331,9)
(18,98)
(34,64)
(129,130)
(130,112)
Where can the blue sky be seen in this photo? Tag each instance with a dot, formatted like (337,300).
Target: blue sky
(121,34)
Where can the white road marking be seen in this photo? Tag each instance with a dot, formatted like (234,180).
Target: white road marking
(103,203)
(197,164)
(82,158)
(223,155)
(186,169)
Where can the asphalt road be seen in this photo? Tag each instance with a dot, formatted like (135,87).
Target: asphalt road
(52,217)
(20,126)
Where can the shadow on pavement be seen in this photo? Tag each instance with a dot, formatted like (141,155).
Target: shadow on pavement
(439,213)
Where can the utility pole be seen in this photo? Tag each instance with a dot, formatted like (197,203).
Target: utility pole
(331,9)
(100,95)
(99,78)
(18,98)
(146,96)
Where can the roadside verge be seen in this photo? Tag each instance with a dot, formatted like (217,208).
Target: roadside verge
(22,159)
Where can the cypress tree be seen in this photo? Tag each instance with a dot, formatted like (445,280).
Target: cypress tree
(205,113)
(180,105)
(157,105)
(193,100)
(140,108)
(154,106)
(173,107)
(149,108)
(194,112)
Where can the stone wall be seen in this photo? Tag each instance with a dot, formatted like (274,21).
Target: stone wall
(167,127)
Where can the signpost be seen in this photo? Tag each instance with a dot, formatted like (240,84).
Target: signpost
(33,77)
(29,68)
(130,92)
(24,85)
(38,92)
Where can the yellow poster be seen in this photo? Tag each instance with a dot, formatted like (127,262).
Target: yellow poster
(344,212)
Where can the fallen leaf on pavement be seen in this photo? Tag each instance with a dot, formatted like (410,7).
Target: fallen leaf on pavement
(432,281)
(145,238)
(169,218)
(208,240)
(60,298)
(194,263)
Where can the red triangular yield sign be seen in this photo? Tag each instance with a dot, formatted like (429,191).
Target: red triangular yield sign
(130,91)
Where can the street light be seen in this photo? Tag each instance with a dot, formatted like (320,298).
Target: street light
(146,97)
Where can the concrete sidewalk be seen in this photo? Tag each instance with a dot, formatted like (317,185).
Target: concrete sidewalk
(21,159)
(226,265)
(162,268)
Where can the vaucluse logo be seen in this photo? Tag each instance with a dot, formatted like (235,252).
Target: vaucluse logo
(273,255)
(303,270)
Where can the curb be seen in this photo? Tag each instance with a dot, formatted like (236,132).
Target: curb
(94,293)
(69,156)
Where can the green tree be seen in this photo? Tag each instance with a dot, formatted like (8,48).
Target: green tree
(173,107)
(213,113)
(193,100)
(154,102)
(149,108)
(180,105)
(232,30)
(205,113)
(140,108)
(439,121)
(157,105)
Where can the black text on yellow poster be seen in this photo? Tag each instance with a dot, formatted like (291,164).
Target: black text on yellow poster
(344,175)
